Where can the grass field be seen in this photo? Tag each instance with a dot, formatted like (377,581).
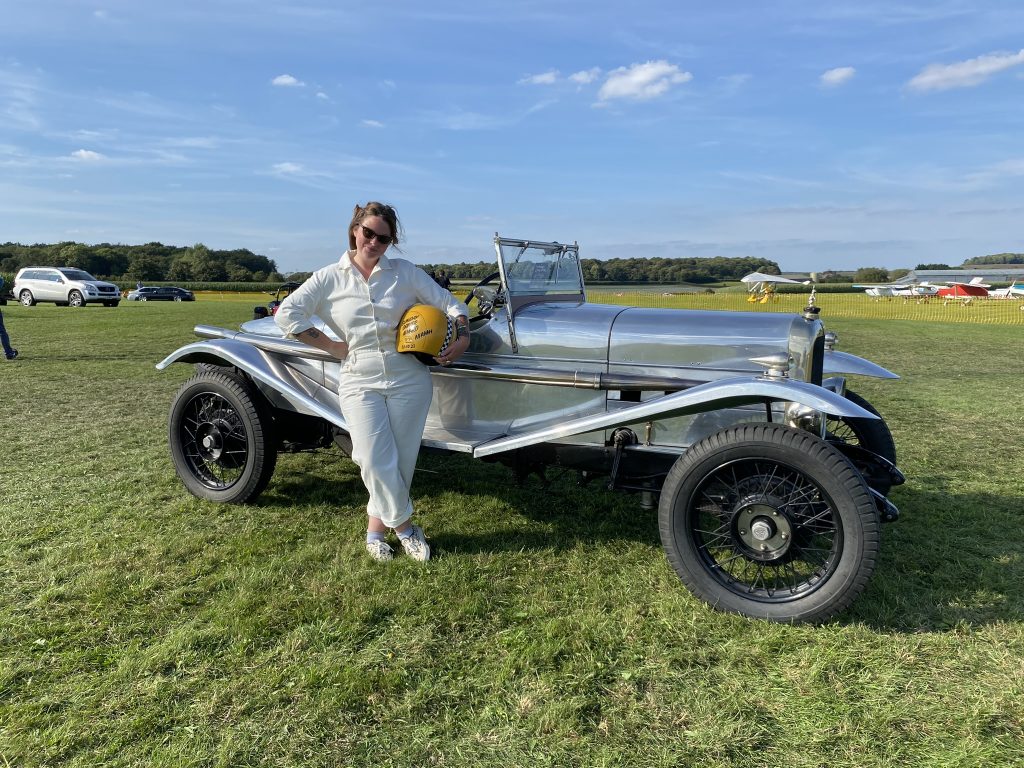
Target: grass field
(140,626)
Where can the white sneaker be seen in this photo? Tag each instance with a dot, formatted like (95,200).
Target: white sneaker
(380,551)
(415,544)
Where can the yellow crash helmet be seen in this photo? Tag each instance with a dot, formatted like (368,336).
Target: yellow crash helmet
(425,331)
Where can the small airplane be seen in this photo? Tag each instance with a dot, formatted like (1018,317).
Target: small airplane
(959,290)
(1016,290)
(761,286)
(900,289)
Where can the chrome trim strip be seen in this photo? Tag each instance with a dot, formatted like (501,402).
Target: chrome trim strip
(727,393)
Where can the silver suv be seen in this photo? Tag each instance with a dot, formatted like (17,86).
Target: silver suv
(66,286)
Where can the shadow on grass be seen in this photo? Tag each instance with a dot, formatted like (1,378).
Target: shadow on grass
(948,562)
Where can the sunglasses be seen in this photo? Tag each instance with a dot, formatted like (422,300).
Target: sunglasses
(370,235)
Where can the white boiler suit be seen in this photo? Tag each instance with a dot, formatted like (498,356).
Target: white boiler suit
(384,394)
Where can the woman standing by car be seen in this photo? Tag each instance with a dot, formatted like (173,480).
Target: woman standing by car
(384,394)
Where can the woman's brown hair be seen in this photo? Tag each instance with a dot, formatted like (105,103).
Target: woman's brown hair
(374,208)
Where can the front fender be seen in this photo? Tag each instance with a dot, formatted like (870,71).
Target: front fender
(844,364)
(299,392)
(712,396)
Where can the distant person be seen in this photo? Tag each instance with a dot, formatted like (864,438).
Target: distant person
(9,352)
(138,286)
(443,280)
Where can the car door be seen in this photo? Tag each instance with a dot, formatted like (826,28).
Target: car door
(52,287)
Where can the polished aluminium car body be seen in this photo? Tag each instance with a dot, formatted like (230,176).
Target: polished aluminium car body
(67,286)
(770,477)
(160,293)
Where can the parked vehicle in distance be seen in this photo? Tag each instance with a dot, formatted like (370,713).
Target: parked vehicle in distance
(160,293)
(65,286)
(770,476)
(279,295)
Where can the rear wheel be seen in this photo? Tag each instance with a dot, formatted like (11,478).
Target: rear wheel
(26,298)
(221,437)
(769,522)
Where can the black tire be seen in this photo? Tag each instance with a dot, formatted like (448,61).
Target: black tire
(26,298)
(871,434)
(76,299)
(221,437)
(143,298)
(769,522)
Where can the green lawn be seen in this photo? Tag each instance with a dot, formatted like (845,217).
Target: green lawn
(141,626)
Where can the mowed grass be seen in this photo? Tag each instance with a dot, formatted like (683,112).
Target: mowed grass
(141,626)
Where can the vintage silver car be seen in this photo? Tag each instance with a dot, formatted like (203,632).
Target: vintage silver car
(771,478)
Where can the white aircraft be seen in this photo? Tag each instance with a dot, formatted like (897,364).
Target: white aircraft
(1011,292)
(900,289)
(761,286)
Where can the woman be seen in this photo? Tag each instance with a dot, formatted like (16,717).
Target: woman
(384,394)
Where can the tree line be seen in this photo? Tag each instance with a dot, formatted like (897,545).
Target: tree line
(715,269)
(152,262)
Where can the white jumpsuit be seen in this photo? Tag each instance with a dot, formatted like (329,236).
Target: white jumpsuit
(384,394)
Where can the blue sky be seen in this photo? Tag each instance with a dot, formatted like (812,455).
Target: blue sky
(822,135)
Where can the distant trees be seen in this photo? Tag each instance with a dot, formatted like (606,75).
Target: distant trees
(871,275)
(934,266)
(152,262)
(996,258)
(640,270)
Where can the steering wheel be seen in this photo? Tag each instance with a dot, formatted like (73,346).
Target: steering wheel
(484,298)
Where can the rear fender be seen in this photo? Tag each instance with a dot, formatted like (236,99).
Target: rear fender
(297,391)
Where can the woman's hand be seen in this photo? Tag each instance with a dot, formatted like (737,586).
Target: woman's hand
(454,350)
(339,349)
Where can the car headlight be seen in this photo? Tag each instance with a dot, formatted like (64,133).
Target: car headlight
(803,417)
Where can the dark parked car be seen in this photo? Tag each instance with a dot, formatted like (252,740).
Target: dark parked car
(161,293)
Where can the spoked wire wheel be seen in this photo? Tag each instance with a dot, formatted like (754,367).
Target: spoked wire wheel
(870,434)
(214,440)
(765,530)
(770,522)
(220,437)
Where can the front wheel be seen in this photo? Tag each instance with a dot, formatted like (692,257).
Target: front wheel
(221,437)
(75,299)
(769,522)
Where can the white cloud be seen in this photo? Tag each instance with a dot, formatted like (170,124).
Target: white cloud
(585,76)
(287,81)
(546,78)
(836,77)
(287,169)
(964,74)
(87,156)
(372,124)
(641,82)
(322,96)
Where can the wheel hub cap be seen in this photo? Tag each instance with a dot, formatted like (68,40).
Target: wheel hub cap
(761,529)
(211,442)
